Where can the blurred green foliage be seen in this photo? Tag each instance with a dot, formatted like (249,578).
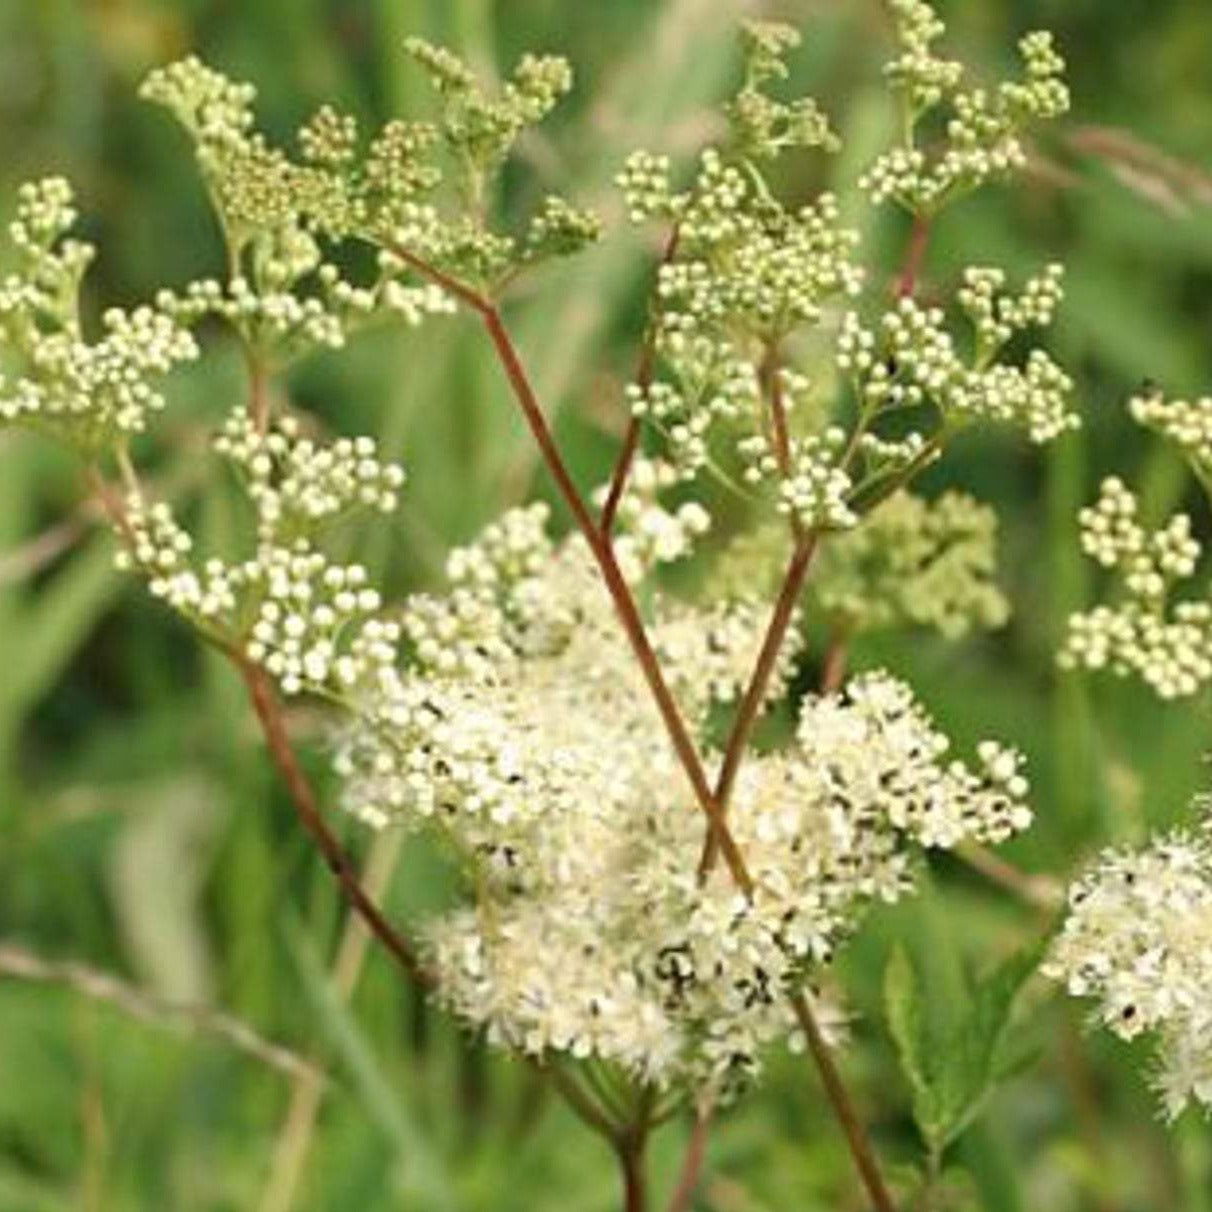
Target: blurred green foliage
(140,828)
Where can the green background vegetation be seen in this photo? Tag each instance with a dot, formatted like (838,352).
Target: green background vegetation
(141,831)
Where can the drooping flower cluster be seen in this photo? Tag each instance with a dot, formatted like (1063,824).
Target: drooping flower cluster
(983,130)
(1144,630)
(87,393)
(1138,941)
(522,733)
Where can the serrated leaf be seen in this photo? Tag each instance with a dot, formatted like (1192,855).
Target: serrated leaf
(971,1066)
(906,1023)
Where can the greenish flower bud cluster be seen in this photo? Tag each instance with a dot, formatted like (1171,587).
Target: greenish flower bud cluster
(915,563)
(1145,630)
(983,130)
(911,562)
(763,126)
(1187,423)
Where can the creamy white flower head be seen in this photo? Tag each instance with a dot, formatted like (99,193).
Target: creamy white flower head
(1138,942)
(523,734)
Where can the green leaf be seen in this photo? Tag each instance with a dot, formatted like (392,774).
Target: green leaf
(906,1023)
(972,1064)
(57,621)
(952,1075)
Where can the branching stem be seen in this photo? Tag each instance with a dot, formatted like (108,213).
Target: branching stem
(684,747)
(269,713)
(915,257)
(603,554)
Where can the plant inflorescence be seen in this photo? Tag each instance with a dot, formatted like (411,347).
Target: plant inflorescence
(647,900)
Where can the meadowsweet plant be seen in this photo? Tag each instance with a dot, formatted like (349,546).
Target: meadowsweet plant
(647,901)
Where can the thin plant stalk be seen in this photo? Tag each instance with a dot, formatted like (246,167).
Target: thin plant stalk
(306,1091)
(691,1172)
(843,1108)
(269,713)
(915,257)
(19,963)
(603,554)
(835,662)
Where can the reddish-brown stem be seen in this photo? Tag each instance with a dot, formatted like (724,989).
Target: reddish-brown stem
(692,1163)
(631,1145)
(603,554)
(833,667)
(111,504)
(780,619)
(755,693)
(643,380)
(915,256)
(778,410)
(258,392)
(621,596)
(843,1108)
(631,1165)
(269,713)
(622,469)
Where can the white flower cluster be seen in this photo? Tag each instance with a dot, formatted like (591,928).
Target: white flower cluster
(743,259)
(815,489)
(997,316)
(87,393)
(522,732)
(652,534)
(983,131)
(287,321)
(313,624)
(297,483)
(912,360)
(1138,940)
(1166,643)
(1186,423)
